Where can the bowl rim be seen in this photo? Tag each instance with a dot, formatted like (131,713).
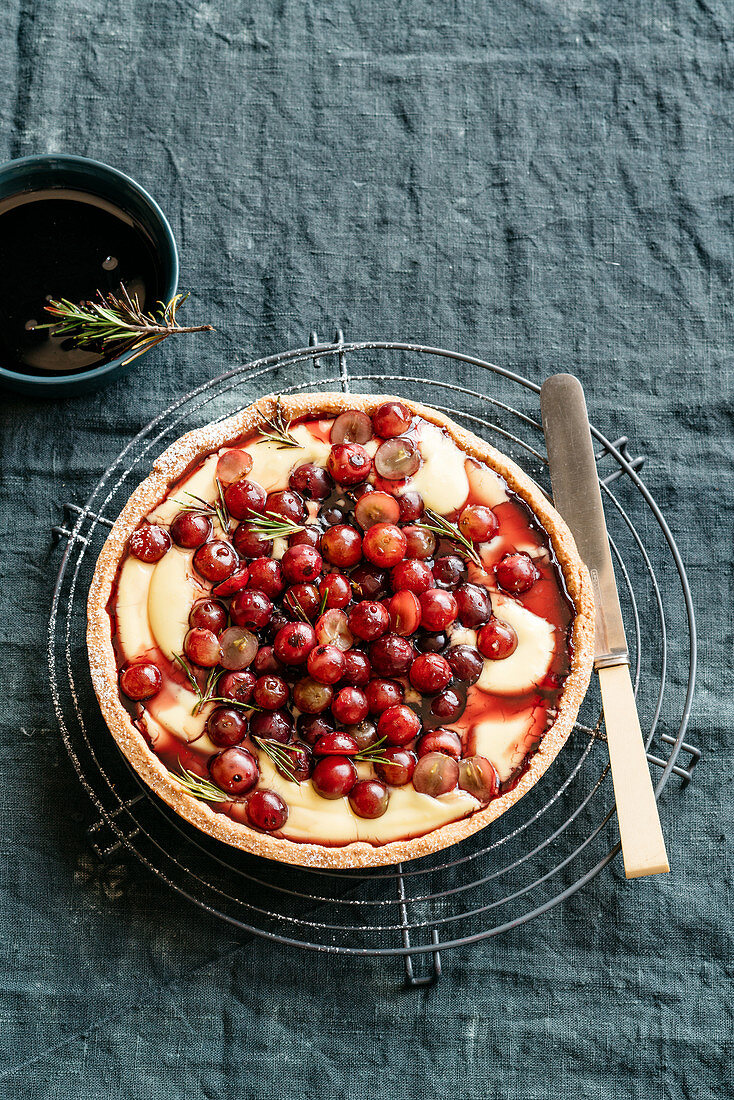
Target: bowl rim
(113,365)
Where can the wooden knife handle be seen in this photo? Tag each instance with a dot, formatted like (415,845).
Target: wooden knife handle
(643,846)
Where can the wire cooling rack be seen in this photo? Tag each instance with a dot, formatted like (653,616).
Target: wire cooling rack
(553,842)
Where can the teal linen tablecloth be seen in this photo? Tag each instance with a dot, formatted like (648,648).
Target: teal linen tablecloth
(547,185)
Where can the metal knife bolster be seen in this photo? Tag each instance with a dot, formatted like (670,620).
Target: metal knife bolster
(577,496)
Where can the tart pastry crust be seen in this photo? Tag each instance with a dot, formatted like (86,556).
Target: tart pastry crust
(167,469)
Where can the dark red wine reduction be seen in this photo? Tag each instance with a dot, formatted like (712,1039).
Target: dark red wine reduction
(64,244)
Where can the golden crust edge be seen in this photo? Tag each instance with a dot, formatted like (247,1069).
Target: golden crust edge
(171,465)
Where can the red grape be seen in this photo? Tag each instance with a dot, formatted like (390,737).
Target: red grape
(251,608)
(301,564)
(450,571)
(334,776)
(287,504)
(368,620)
(202,647)
(302,598)
(478,523)
(398,766)
(267,811)
(384,545)
(349,706)
(336,743)
(415,576)
(397,459)
(209,614)
(326,664)
(348,463)
(435,774)
(369,798)
(216,560)
(237,686)
(420,543)
(474,604)
(516,573)
(382,694)
(337,590)
(270,692)
(191,529)
(466,663)
(368,582)
(234,770)
(356,668)
(332,629)
(311,481)
(391,418)
(243,498)
(351,426)
(294,642)
(375,508)
(478,776)
(404,613)
(411,506)
(440,740)
(342,545)
(430,673)
(140,680)
(310,696)
(497,640)
(399,725)
(391,655)
(233,465)
(438,609)
(249,543)
(149,543)
(239,648)
(266,575)
(233,583)
(226,726)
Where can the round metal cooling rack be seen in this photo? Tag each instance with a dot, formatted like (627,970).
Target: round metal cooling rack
(556,839)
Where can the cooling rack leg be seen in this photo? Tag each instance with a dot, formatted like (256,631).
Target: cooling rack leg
(412,980)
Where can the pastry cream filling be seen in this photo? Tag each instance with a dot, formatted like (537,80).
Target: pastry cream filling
(154,601)
(408,814)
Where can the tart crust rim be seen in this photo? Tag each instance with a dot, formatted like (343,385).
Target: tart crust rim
(172,464)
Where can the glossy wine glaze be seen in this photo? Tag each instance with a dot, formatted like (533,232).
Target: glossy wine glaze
(59,243)
(501,717)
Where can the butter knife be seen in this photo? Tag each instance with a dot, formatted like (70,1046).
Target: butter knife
(577,496)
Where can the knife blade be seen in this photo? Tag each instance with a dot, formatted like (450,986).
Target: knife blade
(577,496)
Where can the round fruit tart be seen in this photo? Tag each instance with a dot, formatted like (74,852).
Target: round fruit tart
(339,630)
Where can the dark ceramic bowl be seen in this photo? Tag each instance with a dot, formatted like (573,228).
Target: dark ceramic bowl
(81,174)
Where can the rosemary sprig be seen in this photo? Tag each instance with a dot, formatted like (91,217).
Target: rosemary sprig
(270,525)
(207,695)
(445,529)
(276,429)
(278,753)
(295,605)
(322,605)
(373,754)
(117,322)
(201,788)
(217,509)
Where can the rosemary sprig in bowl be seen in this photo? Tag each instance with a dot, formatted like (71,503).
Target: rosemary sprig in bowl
(117,323)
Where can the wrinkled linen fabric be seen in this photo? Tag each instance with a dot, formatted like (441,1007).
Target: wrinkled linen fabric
(546,185)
